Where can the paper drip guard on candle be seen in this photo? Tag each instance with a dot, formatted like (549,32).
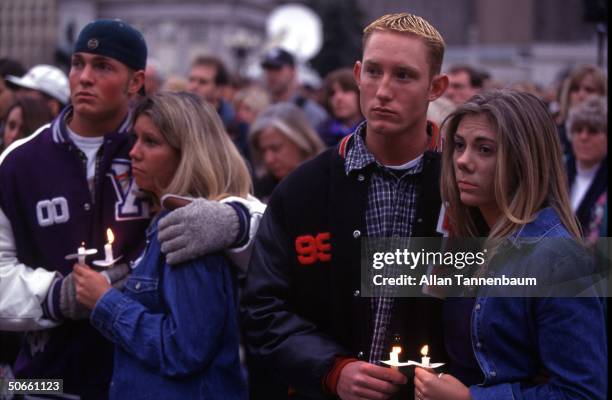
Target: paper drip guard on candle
(81,254)
(106,263)
(410,362)
(109,260)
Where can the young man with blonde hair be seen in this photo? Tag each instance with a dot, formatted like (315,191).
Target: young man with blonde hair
(308,328)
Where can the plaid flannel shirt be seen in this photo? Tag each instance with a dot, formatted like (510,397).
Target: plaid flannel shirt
(390,212)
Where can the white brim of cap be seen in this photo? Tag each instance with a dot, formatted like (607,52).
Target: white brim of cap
(27,83)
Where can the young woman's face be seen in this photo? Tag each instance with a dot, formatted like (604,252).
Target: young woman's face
(474,158)
(586,87)
(14,125)
(344,103)
(280,155)
(154,161)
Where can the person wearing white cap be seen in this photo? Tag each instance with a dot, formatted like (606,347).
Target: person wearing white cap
(46,82)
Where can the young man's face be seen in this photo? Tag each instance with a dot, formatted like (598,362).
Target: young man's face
(395,83)
(202,82)
(100,86)
(460,87)
(278,80)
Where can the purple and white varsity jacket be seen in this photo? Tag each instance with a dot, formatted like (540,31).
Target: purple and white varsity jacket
(46,212)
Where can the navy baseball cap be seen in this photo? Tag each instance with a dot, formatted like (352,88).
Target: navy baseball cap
(116,39)
(276,58)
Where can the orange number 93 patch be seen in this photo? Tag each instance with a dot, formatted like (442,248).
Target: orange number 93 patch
(311,249)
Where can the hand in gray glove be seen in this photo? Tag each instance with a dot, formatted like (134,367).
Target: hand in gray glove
(200,228)
(68,304)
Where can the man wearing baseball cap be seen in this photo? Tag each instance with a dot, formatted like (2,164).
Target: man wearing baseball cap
(79,184)
(45,82)
(281,79)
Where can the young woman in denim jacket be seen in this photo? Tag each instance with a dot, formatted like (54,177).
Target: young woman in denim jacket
(175,328)
(503,178)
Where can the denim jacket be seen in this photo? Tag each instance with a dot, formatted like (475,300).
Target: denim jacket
(562,340)
(175,329)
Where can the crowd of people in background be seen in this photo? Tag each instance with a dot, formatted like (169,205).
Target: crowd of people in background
(331,110)
(276,126)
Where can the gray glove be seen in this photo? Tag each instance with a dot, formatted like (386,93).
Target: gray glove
(68,304)
(200,228)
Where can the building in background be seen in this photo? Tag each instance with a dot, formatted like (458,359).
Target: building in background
(28,30)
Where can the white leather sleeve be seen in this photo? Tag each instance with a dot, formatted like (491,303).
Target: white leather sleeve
(22,288)
(241,255)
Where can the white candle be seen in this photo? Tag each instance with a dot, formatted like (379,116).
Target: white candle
(81,253)
(394,356)
(425,359)
(108,247)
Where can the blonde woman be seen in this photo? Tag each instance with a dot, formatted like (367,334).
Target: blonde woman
(503,179)
(281,139)
(584,81)
(174,328)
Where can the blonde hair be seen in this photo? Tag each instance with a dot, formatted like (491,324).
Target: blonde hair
(414,25)
(175,83)
(572,83)
(210,166)
(254,97)
(289,120)
(529,172)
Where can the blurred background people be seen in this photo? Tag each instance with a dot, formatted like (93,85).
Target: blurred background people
(175,83)
(282,83)
(24,117)
(582,82)
(45,82)
(587,167)
(154,77)
(281,139)
(249,102)
(464,82)
(207,78)
(439,109)
(7,94)
(342,102)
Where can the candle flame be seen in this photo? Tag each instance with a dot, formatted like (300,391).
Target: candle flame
(425,350)
(110,236)
(82,244)
(396,349)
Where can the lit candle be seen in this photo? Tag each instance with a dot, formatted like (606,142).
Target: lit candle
(81,253)
(394,356)
(108,247)
(425,359)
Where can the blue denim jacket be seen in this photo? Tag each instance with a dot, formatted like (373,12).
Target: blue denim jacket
(515,339)
(175,329)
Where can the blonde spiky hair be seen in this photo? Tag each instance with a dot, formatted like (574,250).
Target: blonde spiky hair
(413,25)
